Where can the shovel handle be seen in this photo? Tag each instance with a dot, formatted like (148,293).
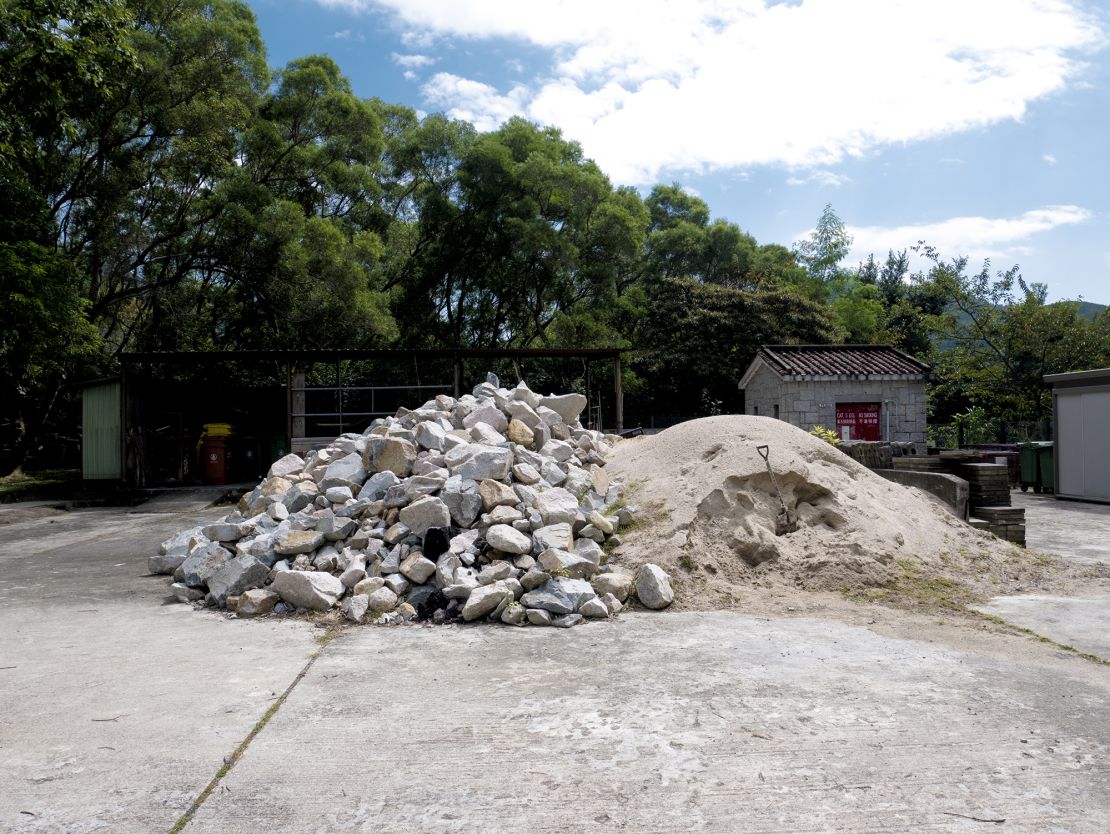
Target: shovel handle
(763,452)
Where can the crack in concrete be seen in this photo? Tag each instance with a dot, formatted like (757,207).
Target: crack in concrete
(230,761)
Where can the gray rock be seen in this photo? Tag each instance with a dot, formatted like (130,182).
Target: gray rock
(430,435)
(294,542)
(492,462)
(184,593)
(589,550)
(578,590)
(567,406)
(396,533)
(534,578)
(558,450)
(369,585)
(594,608)
(376,486)
(495,572)
(391,563)
(284,467)
(558,536)
(526,474)
(397,583)
(308,589)
(418,569)
(349,471)
(277,511)
(425,513)
(489,415)
(653,587)
(381,600)
(222,531)
(567,564)
(556,506)
(601,523)
(484,599)
(255,602)
(339,494)
(464,507)
(236,576)
(549,597)
(617,584)
(538,617)
(567,621)
(202,563)
(513,614)
(355,607)
(161,563)
(336,528)
(612,603)
(508,540)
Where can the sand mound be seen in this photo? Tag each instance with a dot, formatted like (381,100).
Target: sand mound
(709,508)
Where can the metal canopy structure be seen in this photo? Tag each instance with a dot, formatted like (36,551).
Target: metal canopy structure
(301,416)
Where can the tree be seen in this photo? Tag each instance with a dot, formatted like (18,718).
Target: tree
(821,253)
(997,337)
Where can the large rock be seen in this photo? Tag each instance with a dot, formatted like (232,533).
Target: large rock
(489,414)
(617,584)
(567,406)
(425,513)
(653,587)
(430,435)
(235,576)
(495,494)
(550,597)
(484,599)
(349,471)
(284,467)
(558,536)
(294,542)
(396,455)
(377,485)
(518,432)
(567,564)
(418,569)
(202,563)
(505,538)
(308,589)
(256,601)
(557,506)
(462,500)
(482,462)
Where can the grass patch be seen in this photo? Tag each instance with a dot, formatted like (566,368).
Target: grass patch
(1040,638)
(19,484)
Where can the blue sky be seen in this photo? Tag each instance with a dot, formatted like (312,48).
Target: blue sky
(981,126)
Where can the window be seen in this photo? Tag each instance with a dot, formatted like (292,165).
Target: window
(755,410)
(776,411)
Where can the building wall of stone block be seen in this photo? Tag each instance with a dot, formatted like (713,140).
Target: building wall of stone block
(811,403)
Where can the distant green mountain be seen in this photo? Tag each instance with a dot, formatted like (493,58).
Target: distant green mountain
(1090,310)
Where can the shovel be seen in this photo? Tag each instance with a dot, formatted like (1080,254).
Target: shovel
(785,522)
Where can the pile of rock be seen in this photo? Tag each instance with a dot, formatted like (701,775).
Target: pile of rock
(492,506)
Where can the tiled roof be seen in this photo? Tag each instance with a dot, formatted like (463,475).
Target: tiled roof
(840,360)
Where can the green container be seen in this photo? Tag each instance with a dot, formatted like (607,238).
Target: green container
(1027,455)
(1036,465)
(1046,467)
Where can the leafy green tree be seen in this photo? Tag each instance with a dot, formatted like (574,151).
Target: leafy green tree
(997,337)
(823,251)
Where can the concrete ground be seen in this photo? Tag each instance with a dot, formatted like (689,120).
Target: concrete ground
(1078,532)
(119,709)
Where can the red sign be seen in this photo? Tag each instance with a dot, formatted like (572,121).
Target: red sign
(858,421)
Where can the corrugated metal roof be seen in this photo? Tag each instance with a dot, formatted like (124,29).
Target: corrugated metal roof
(841,360)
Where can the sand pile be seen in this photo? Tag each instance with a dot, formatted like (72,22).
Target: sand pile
(709,510)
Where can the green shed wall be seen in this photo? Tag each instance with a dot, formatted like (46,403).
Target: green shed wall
(101,435)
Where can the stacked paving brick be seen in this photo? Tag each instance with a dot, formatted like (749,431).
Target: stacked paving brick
(494,506)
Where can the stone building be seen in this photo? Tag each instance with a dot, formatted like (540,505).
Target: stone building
(863,392)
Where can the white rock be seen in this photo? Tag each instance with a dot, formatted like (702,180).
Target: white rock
(484,599)
(508,540)
(653,587)
(594,608)
(418,569)
(556,506)
(308,589)
(286,466)
(425,513)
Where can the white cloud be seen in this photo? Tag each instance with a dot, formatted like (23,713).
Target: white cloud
(413,61)
(1049,158)
(821,178)
(348,35)
(648,85)
(976,237)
